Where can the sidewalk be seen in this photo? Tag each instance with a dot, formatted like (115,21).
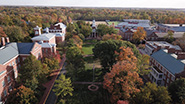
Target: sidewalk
(50,84)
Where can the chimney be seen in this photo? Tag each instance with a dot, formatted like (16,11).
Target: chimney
(181,55)
(171,50)
(7,40)
(167,47)
(180,25)
(3,41)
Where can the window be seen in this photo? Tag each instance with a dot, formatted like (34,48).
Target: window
(13,63)
(164,77)
(167,80)
(15,73)
(10,64)
(10,88)
(168,74)
(3,83)
(160,76)
(18,59)
(5,93)
(9,79)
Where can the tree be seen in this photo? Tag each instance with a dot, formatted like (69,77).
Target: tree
(177,90)
(15,33)
(63,87)
(112,36)
(123,80)
(151,94)
(180,42)
(105,51)
(30,72)
(169,38)
(103,29)
(2,33)
(143,64)
(75,62)
(52,63)
(139,35)
(75,41)
(22,95)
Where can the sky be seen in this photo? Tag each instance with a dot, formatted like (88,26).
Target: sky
(99,3)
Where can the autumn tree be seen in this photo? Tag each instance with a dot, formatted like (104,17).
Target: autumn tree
(177,90)
(63,87)
(139,35)
(112,36)
(22,95)
(2,33)
(105,51)
(123,80)
(151,94)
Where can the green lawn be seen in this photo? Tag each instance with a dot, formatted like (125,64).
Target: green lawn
(115,23)
(87,49)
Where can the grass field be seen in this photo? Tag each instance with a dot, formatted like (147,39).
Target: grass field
(115,23)
(87,49)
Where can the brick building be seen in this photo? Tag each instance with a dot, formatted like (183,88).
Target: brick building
(167,65)
(11,57)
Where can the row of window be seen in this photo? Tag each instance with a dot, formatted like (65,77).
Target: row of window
(16,61)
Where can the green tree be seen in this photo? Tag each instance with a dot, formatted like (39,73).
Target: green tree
(143,64)
(52,63)
(103,29)
(75,62)
(151,94)
(15,33)
(177,90)
(105,51)
(169,38)
(30,72)
(63,87)
(22,95)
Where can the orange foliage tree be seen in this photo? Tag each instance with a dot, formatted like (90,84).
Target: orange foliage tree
(139,35)
(123,80)
(112,36)
(2,33)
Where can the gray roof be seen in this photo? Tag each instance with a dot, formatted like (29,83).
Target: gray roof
(47,45)
(45,36)
(175,34)
(25,48)
(8,52)
(13,49)
(168,61)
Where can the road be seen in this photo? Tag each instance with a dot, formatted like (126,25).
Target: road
(52,97)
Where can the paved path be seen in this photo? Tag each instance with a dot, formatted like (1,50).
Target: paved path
(49,85)
(87,82)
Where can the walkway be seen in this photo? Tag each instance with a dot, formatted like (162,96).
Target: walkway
(50,84)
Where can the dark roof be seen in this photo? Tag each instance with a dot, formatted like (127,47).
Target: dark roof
(168,61)
(149,31)
(25,48)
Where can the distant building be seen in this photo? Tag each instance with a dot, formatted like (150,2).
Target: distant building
(170,27)
(153,46)
(129,26)
(12,56)
(156,35)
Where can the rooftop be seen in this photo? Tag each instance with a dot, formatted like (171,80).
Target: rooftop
(44,36)
(61,25)
(166,59)
(163,44)
(175,34)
